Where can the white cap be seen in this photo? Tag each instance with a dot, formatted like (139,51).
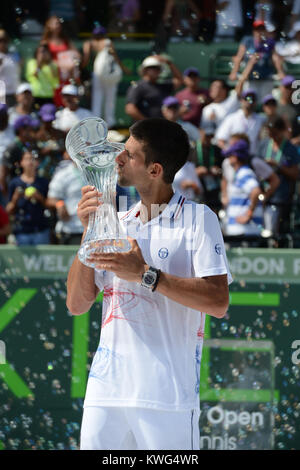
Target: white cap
(270,28)
(151,62)
(23,87)
(295,29)
(69,90)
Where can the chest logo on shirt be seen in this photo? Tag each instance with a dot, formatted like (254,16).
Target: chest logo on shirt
(218,249)
(163,253)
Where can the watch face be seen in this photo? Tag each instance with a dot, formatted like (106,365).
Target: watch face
(149,279)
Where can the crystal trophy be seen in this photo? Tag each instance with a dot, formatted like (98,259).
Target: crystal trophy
(94,155)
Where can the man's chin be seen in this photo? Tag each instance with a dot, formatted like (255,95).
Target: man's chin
(123,183)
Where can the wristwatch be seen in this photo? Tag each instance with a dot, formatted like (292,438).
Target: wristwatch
(150,278)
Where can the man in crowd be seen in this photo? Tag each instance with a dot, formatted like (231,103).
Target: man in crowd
(72,112)
(244,120)
(192,98)
(144,98)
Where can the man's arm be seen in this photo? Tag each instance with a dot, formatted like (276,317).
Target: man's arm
(206,294)
(134,112)
(81,288)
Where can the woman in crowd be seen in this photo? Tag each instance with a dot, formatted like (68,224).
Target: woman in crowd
(42,74)
(63,52)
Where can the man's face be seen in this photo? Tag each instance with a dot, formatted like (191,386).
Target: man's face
(131,166)
(170,112)
(217,90)
(248,103)
(70,101)
(25,98)
(152,73)
(192,80)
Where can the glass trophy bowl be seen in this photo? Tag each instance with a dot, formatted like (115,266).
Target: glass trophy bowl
(94,155)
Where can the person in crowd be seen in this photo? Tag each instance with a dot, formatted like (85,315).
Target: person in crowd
(283,156)
(229,19)
(10,70)
(244,120)
(144,98)
(27,201)
(7,135)
(289,51)
(269,109)
(64,54)
(107,73)
(287,109)
(192,97)
(244,210)
(185,180)
(208,167)
(266,65)
(171,111)
(63,198)
(265,174)
(24,104)
(49,141)
(222,101)
(24,128)
(42,74)
(5,228)
(72,112)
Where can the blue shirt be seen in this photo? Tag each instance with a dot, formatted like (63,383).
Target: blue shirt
(29,215)
(264,68)
(239,201)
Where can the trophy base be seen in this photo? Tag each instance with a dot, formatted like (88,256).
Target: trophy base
(101,246)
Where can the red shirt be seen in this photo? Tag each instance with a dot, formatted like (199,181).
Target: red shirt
(4,220)
(193,99)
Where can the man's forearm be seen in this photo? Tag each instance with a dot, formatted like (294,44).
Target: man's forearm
(81,288)
(202,294)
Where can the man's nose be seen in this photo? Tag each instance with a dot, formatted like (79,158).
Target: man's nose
(121,157)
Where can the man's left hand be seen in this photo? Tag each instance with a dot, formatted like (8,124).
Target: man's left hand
(129,265)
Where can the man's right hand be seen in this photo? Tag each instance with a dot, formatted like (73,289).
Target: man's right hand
(88,204)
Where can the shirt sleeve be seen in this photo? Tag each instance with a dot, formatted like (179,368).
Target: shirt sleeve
(224,130)
(133,95)
(210,256)
(56,189)
(262,169)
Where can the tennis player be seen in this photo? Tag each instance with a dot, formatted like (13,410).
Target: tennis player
(143,386)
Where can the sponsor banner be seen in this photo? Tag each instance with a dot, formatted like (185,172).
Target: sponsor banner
(246,264)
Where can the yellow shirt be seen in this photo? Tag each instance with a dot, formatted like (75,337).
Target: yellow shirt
(45,81)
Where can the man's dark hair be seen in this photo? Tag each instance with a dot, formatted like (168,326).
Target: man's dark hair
(164,142)
(223,83)
(277,123)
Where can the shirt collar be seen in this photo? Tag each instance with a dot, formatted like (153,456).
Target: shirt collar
(172,211)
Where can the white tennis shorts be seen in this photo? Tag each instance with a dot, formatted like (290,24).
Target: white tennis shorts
(121,428)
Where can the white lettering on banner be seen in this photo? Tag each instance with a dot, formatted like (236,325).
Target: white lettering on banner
(259,266)
(218,442)
(296,266)
(217,415)
(48,263)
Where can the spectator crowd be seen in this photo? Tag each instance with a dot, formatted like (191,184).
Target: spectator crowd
(244,132)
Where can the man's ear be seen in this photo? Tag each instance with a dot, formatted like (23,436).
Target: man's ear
(155,170)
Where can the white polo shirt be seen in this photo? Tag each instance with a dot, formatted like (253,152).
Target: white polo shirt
(150,346)
(216,112)
(238,123)
(65,118)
